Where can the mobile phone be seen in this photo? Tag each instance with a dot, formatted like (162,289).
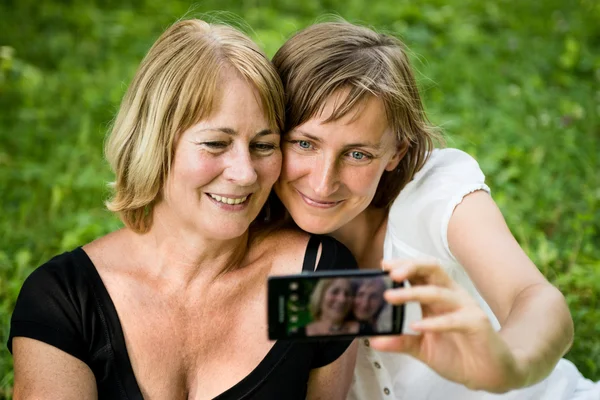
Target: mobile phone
(344,304)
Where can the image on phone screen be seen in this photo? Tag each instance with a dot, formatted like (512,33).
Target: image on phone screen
(335,306)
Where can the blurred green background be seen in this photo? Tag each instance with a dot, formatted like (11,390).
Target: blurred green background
(514,83)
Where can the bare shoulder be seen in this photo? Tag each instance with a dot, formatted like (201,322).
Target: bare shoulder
(110,251)
(108,242)
(286,248)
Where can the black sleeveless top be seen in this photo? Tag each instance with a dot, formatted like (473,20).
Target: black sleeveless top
(65,304)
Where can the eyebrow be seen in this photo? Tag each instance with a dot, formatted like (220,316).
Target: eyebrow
(233,132)
(377,146)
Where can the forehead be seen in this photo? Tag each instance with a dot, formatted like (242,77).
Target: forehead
(339,283)
(234,94)
(366,122)
(372,286)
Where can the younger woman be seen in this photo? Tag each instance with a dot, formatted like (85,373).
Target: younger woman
(360,165)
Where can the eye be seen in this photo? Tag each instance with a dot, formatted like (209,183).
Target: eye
(263,147)
(214,145)
(357,155)
(303,144)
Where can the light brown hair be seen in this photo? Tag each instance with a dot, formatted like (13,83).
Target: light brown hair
(328,58)
(175,87)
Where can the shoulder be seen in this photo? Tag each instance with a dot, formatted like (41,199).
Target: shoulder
(62,273)
(335,255)
(285,248)
(52,301)
(291,236)
(420,214)
(448,173)
(291,249)
(284,241)
(446,166)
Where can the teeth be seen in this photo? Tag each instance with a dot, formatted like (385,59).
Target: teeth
(227,200)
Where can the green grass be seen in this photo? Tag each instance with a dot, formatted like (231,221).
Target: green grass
(516,84)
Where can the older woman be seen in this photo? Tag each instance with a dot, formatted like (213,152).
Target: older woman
(331,306)
(173,306)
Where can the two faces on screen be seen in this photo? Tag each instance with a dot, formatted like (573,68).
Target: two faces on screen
(341,306)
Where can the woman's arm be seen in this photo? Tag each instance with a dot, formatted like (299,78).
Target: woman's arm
(333,380)
(536,323)
(45,372)
(457,339)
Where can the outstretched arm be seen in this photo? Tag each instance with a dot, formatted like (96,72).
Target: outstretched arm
(536,323)
(457,339)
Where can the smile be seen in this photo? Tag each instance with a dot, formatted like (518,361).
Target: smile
(319,204)
(228,200)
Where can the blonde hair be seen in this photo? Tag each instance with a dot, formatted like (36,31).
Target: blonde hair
(331,57)
(316,298)
(175,87)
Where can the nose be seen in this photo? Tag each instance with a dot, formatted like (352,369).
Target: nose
(241,168)
(324,178)
(342,297)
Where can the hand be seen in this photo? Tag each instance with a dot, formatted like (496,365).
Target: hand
(457,339)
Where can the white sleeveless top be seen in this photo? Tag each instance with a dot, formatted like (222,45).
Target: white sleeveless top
(417,228)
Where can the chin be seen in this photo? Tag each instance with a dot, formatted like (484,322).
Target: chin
(312,227)
(316,225)
(225,232)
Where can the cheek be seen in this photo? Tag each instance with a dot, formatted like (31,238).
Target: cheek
(193,169)
(329,297)
(363,181)
(270,168)
(294,167)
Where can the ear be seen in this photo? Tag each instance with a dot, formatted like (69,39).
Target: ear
(401,149)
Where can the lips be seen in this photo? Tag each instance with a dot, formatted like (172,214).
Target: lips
(318,203)
(230,202)
(228,199)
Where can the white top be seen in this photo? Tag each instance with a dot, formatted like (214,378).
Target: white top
(417,228)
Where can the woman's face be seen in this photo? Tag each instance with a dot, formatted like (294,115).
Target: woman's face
(331,170)
(225,166)
(368,300)
(337,300)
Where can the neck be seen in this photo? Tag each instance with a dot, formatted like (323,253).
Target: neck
(363,235)
(182,256)
(333,322)
(335,327)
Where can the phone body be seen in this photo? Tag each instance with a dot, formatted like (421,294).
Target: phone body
(332,304)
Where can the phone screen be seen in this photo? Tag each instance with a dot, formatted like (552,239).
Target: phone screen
(315,305)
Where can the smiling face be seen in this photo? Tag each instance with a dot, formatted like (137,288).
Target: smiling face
(331,170)
(224,167)
(337,301)
(369,299)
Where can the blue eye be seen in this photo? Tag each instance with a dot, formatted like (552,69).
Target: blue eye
(357,155)
(304,144)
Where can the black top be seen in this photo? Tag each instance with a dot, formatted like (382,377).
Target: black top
(65,304)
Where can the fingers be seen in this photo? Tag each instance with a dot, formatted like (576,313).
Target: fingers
(459,321)
(426,295)
(418,272)
(409,344)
